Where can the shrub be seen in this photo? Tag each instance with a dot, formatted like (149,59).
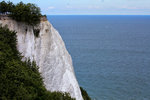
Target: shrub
(28,13)
(3,7)
(84,94)
(36,32)
(6,7)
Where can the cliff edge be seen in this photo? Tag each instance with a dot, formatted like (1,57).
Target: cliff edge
(49,52)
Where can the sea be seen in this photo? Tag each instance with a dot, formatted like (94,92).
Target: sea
(110,53)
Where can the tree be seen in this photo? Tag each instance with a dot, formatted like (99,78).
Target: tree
(28,13)
(10,7)
(84,94)
(34,13)
(3,7)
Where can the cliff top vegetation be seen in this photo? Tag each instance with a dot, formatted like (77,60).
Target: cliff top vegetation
(28,13)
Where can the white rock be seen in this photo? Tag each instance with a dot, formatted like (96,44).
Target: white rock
(50,54)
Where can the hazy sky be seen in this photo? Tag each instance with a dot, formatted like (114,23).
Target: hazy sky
(92,7)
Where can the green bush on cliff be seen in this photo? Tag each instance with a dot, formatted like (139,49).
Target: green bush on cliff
(28,13)
(3,6)
(6,7)
(36,32)
(20,80)
(84,94)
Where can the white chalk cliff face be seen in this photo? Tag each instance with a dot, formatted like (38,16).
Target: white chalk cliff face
(49,52)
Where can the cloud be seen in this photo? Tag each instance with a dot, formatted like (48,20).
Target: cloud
(51,7)
(93,7)
(83,7)
(132,7)
(70,7)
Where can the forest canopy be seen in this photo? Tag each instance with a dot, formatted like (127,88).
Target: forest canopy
(28,13)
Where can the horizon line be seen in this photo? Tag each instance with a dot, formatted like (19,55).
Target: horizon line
(91,15)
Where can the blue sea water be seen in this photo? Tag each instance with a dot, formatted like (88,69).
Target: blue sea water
(111,54)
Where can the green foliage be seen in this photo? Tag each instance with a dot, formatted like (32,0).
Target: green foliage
(10,6)
(6,7)
(28,13)
(3,7)
(21,80)
(36,32)
(84,94)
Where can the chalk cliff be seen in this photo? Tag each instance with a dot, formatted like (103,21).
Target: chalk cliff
(49,52)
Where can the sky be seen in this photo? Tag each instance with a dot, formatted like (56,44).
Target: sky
(91,7)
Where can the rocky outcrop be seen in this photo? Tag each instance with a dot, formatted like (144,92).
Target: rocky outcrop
(49,52)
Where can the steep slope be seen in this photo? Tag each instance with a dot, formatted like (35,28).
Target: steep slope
(50,54)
